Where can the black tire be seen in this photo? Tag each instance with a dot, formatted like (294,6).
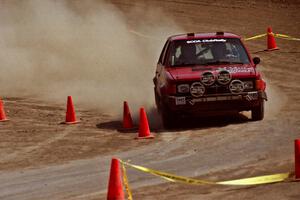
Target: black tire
(258,112)
(169,119)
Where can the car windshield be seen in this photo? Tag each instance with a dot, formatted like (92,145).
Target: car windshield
(207,52)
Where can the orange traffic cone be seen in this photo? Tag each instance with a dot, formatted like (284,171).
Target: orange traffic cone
(127,125)
(115,187)
(297,159)
(144,131)
(127,120)
(70,114)
(2,113)
(271,40)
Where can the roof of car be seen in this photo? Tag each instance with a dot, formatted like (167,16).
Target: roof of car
(189,36)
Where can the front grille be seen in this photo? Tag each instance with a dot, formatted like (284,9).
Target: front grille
(217,89)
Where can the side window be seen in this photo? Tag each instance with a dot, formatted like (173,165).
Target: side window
(175,56)
(178,52)
(163,52)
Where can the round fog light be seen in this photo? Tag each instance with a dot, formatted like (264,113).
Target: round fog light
(236,87)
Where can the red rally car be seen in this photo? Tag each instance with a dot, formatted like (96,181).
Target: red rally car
(200,74)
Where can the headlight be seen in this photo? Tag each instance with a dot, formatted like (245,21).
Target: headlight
(183,88)
(248,85)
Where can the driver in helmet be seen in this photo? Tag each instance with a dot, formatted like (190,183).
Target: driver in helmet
(219,51)
(188,54)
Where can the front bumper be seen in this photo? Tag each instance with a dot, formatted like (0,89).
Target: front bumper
(214,103)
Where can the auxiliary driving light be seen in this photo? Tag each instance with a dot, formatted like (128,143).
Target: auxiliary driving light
(236,87)
(224,77)
(197,89)
(208,78)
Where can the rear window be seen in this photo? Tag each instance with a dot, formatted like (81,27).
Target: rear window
(207,51)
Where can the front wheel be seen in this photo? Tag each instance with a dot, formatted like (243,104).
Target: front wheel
(169,119)
(258,112)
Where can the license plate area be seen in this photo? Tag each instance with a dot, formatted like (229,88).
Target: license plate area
(180,101)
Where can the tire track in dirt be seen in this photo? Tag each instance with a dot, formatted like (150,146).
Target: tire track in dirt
(24,151)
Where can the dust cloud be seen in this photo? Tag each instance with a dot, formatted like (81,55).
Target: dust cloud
(274,104)
(87,49)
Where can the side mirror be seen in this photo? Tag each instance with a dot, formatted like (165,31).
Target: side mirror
(256,60)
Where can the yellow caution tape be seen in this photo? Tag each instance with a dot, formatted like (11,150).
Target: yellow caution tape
(168,176)
(257,180)
(287,37)
(278,35)
(125,180)
(245,181)
(255,37)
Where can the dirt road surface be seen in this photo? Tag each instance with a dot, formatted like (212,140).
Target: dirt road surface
(43,159)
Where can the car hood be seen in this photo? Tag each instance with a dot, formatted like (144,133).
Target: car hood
(186,73)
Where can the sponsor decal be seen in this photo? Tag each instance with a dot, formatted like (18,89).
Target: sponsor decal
(218,98)
(234,70)
(252,96)
(204,41)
